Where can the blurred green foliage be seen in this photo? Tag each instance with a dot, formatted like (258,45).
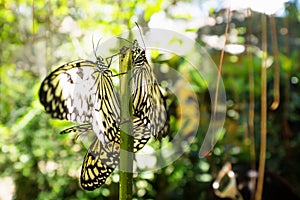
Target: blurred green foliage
(46,165)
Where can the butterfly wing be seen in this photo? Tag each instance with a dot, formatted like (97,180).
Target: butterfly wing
(158,113)
(101,159)
(65,93)
(82,91)
(99,162)
(108,107)
(141,134)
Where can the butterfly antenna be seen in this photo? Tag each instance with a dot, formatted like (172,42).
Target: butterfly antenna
(98,44)
(95,49)
(140,30)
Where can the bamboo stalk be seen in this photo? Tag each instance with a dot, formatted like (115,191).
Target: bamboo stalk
(263,120)
(126,139)
(276,98)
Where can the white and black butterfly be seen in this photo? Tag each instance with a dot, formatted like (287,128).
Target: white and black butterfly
(82,91)
(149,104)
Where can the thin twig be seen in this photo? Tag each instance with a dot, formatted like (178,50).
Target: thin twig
(276,97)
(220,67)
(263,120)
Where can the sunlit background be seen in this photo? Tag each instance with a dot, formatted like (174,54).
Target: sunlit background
(36,162)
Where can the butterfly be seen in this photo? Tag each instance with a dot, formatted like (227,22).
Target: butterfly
(82,91)
(149,104)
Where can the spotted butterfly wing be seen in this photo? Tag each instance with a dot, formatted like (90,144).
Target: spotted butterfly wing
(82,91)
(149,104)
(101,159)
(99,162)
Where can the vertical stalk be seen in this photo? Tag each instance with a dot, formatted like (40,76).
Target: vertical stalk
(276,98)
(214,114)
(263,124)
(126,139)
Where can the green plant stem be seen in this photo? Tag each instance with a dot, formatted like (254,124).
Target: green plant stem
(126,143)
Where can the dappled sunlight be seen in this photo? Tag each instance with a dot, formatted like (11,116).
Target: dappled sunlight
(193,138)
